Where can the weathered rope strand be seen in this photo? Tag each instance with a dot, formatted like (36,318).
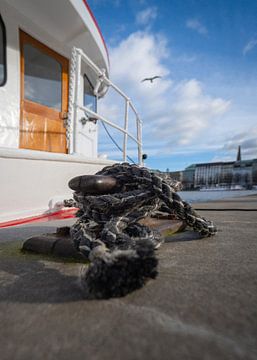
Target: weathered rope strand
(107,231)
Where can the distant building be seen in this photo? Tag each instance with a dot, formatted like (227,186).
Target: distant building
(209,175)
(243,173)
(228,175)
(188,177)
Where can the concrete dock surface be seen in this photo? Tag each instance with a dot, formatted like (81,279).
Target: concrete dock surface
(203,304)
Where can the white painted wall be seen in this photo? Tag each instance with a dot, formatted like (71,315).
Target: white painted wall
(87,18)
(86,137)
(33,181)
(10,92)
(86,134)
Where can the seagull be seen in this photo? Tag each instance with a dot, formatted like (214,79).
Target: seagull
(151,79)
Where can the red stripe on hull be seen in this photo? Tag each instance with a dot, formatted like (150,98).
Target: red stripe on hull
(58,215)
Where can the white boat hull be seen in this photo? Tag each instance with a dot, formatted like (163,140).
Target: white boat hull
(35,183)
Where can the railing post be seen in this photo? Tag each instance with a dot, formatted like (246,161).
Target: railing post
(139,144)
(76,96)
(125,138)
(75,106)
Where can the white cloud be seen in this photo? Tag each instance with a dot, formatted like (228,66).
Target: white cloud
(196,25)
(193,111)
(228,150)
(137,57)
(247,140)
(144,17)
(175,114)
(249,46)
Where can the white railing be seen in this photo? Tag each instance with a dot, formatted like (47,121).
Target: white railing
(103,82)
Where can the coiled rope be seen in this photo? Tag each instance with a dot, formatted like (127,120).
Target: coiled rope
(107,231)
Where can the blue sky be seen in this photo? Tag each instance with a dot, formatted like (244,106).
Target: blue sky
(205,104)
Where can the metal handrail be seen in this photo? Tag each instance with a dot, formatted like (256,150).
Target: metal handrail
(102,80)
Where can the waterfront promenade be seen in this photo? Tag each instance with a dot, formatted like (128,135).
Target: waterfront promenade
(203,304)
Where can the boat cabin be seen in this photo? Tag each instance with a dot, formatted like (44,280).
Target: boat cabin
(36,41)
(54,67)
(40,150)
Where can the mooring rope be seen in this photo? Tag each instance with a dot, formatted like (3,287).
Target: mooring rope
(107,232)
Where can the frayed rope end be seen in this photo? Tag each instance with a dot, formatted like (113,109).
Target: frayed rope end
(120,272)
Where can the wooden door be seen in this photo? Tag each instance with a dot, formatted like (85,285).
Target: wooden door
(44,97)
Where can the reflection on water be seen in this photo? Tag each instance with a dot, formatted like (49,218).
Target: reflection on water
(202,196)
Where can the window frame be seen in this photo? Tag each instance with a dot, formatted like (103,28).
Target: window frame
(90,83)
(28,66)
(2,25)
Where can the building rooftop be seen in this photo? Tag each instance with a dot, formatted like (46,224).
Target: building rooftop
(241,162)
(191,167)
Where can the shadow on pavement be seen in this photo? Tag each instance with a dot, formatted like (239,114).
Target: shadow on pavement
(34,281)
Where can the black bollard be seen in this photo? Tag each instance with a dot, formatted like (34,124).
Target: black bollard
(94,184)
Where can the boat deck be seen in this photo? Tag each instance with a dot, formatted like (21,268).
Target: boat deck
(201,306)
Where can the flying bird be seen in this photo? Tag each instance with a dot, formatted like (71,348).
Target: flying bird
(151,79)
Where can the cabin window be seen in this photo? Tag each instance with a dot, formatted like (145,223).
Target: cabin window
(42,78)
(89,97)
(2,53)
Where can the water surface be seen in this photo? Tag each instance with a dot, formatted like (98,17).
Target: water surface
(203,196)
